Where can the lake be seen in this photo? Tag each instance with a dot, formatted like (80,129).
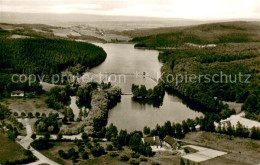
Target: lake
(128,114)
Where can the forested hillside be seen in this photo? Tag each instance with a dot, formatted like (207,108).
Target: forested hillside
(46,56)
(215,33)
(43,56)
(237,52)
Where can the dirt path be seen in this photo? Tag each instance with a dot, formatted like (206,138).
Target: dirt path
(26,141)
(67,137)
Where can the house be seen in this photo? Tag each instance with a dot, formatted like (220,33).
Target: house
(17,94)
(154,142)
(170,142)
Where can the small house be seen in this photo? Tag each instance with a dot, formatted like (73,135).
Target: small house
(154,141)
(170,142)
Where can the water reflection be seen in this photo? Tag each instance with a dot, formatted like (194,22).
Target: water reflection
(154,102)
(132,115)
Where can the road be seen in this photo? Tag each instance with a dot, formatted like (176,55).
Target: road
(68,137)
(26,141)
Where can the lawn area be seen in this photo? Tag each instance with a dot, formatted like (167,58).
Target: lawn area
(27,105)
(240,150)
(52,153)
(10,150)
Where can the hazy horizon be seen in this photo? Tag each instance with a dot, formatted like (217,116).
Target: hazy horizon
(202,10)
(63,19)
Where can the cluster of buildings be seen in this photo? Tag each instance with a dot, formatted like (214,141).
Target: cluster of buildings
(189,153)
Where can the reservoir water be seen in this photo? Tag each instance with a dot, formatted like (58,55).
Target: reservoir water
(131,115)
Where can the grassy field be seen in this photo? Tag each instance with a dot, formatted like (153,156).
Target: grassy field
(27,105)
(53,154)
(10,150)
(240,150)
(160,157)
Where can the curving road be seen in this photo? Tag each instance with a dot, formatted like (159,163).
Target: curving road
(26,141)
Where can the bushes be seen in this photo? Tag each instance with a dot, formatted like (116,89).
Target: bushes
(71,154)
(85,137)
(255,133)
(27,160)
(97,151)
(141,45)
(143,159)
(124,158)
(134,162)
(48,124)
(41,144)
(12,133)
(113,154)
(62,154)
(84,155)
(33,136)
(4,112)
(109,147)
(135,155)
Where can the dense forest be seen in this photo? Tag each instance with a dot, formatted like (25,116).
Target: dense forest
(203,62)
(46,56)
(236,52)
(42,56)
(216,33)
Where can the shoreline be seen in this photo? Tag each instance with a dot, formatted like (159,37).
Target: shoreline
(101,103)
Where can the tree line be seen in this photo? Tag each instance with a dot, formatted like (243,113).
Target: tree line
(148,96)
(142,93)
(210,94)
(46,56)
(215,33)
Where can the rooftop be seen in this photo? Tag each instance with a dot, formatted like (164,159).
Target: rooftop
(170,140)
(152,140)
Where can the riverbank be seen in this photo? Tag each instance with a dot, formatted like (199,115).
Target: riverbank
(101,101)
(220,51)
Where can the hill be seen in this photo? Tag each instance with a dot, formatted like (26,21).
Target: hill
(33,54)
(236,50)
(215,33)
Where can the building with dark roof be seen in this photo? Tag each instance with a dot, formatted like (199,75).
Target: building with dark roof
(170,142)
(152,141)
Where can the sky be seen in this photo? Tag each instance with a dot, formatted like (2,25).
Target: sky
(188,9)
